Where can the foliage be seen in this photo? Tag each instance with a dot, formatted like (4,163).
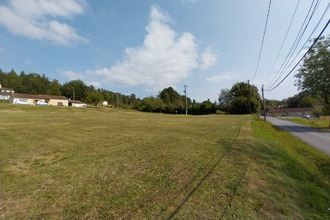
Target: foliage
(314,75)
(33,83)
(95,98)
(308,101)
(245,99)
(152,104)
(224,97)
(317,112)
(302,99)
(173,100)
(271,104)
(75,90)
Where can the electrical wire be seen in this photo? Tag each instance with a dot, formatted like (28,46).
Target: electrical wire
(303,46)
(262,42)
(301,58)
(302,30)
(286,34)
(292,60)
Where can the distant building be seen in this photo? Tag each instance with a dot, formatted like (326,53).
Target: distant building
(77,103)
(290,112)
(5,93)
(32,99)
(105,103)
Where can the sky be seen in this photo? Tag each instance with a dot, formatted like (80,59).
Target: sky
(144,46)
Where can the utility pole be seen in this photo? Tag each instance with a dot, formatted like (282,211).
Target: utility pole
(249,97)
(74,94)
(117,99)
(185,94)
(263,98)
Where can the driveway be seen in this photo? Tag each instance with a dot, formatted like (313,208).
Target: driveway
(315,137)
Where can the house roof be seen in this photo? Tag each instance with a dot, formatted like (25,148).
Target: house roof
(285,110)
(5,93)
(6,89)
(76,101)
(40,96)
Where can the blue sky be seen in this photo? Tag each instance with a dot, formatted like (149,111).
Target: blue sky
(142,47)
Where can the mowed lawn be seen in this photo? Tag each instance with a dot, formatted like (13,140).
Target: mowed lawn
(70,163)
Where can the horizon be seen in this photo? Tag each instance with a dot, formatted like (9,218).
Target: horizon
(143,47)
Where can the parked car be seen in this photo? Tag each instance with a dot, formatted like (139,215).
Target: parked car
(307,116)
(22,102)
(41,103)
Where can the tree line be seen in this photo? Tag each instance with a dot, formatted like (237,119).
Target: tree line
(167,101)
(313,78)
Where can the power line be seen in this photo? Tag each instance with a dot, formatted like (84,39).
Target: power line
(295,44)
(286,34)
(303,46)
(313,12)
(302,57)
(263,38)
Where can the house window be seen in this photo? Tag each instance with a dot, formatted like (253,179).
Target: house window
(59,103)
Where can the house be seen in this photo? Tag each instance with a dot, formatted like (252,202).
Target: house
(32,99)
(5,93)
(105,103)
(290,112)
(77,103)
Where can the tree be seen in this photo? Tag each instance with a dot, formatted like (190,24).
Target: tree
(308,101)
(314,74)
(152,104)
(245,99)
(75,88)
(94,98)
(173,100)
(54,88)
(207,107)
(224,97)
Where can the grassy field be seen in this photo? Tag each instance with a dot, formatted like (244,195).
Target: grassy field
(322,122)
(70,163)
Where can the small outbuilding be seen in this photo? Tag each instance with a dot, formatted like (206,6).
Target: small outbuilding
(77,103)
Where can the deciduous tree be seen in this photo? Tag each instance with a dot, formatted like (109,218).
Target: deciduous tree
(314,74)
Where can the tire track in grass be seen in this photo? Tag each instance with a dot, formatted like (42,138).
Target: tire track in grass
(207,174)
(157,191)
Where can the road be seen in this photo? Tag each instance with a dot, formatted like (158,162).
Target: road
(315,137)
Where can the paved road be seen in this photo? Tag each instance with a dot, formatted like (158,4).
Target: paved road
(315,137)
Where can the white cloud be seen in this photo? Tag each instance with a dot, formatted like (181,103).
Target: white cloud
(72,75)
(208,58)
(221,78)
(164,59)
(32,19)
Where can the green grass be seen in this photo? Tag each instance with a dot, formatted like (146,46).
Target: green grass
(70,163)
(322,122)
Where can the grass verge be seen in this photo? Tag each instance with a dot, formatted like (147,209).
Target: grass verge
(322,123)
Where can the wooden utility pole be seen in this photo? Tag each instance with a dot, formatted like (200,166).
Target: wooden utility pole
(185,94)
(263,99)
(249,96)
(117,99)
